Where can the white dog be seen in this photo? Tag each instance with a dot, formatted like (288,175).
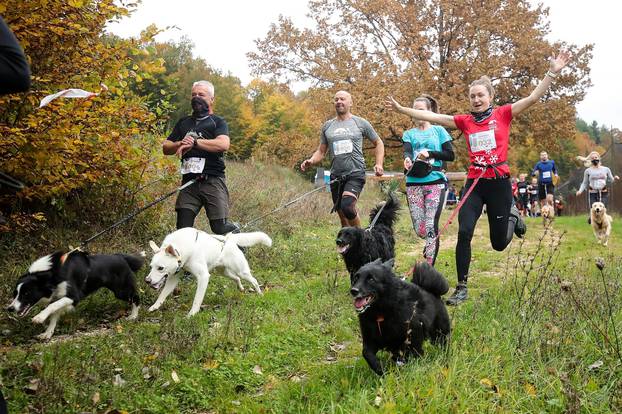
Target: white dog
(198,252)
(601,222)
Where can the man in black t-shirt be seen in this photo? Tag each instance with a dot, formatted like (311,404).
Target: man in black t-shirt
(523,194)
(201,140)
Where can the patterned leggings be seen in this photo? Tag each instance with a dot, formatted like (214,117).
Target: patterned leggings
(426,203)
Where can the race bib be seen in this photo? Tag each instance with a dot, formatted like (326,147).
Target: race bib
(343,146)
(193,165)
(599,184)
(522,190)
(482,141)
(546,174)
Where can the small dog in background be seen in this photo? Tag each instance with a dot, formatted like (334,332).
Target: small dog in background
(397,315)
(547,211)
(61,280)
(601,222)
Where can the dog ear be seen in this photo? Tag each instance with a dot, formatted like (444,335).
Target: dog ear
(389,264)
(154,246)
(377,262)
(170,250)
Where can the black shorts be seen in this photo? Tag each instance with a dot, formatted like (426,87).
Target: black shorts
(211,193)
(544,189)
(352,183)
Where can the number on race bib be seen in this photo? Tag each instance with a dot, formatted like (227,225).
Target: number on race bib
(546,174)
(193,165)
(343,146)
(482,141)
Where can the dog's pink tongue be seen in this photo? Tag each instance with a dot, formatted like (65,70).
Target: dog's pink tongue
(359,303)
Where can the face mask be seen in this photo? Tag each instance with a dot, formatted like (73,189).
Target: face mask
(200,108)
(595,162)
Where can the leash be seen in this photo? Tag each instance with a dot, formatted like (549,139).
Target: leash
(135,213)
(289,203)
(10,182)
(373,222)
(460,204)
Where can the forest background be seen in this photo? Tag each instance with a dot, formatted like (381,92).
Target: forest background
(74,155)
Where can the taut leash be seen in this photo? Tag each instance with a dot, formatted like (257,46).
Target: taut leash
(289,203)
(135,213)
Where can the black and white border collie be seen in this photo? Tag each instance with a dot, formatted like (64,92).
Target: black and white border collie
(61,280)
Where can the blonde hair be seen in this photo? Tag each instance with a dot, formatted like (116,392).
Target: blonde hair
(587,161)
(485,82)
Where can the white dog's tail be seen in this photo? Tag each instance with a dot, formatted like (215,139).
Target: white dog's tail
(249,239)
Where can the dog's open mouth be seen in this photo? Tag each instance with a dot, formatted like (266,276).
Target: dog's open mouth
(24,311)
(157,286)
(342,249)
(362,303)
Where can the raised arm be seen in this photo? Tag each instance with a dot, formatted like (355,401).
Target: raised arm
(438,119)
(556,64)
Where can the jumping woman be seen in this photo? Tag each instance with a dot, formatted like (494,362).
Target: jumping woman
(487,130)
(425,148)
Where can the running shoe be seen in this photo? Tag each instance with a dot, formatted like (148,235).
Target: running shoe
(520,228)
(460,295)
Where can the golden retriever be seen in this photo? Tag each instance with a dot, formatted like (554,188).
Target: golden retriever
(601,222)
(548,210)
(548,214)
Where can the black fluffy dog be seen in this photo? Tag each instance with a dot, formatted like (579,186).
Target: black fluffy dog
(397,315)
(358,246)
(61,280)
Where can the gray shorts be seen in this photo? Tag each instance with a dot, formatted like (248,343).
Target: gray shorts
(210,193)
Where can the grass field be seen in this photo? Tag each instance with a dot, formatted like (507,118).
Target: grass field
(540,332)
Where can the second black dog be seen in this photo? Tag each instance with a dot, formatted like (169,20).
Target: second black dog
(397,315)
(358,246)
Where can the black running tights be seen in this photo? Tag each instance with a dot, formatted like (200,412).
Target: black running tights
(496,194)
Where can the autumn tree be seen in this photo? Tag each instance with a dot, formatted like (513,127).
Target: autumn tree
(408,47)
(76,151)
(282,127)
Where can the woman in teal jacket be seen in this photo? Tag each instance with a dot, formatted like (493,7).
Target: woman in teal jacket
(425,148)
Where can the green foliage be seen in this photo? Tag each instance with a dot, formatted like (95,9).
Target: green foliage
(73,149)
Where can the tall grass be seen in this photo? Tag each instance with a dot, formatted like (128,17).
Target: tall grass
(540,331)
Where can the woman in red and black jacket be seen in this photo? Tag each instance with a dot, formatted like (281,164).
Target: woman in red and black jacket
(487,133)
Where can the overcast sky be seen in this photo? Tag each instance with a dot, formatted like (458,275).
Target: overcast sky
(223,32)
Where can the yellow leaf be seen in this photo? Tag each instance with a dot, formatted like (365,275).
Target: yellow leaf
(530,389)
(118,328)
(210,364)
(486,382)
(175,376)
(489,384)
(2,8)
(149,358)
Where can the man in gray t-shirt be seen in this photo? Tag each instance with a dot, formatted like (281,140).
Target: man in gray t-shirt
(342,138)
